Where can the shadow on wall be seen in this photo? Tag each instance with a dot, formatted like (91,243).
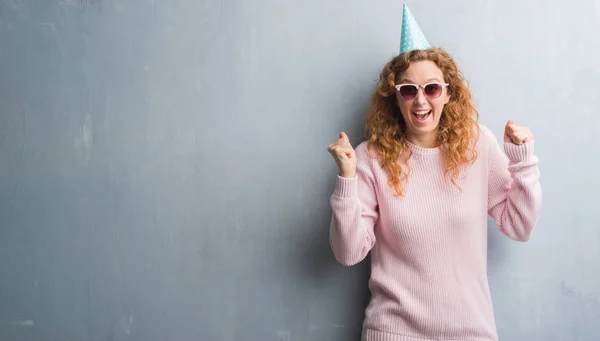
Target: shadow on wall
(319,261)
(316,259)
(496,247)
(347,285)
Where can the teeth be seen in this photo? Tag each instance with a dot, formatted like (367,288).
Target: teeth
(421,112)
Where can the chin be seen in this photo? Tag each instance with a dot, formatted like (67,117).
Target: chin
(425,128)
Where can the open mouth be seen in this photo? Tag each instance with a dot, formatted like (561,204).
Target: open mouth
(421,116)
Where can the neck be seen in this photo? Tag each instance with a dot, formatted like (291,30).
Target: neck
(423,141)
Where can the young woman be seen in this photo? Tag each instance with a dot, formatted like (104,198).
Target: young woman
(416,195)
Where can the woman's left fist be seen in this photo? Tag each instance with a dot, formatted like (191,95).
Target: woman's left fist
(517,134)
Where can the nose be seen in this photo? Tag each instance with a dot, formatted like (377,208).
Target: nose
(421,98)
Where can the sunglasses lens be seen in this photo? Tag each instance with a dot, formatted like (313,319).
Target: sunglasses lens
(433,90)
(408,91)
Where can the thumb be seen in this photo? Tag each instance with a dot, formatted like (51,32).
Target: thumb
(509,124)
(507,137)
(344,137)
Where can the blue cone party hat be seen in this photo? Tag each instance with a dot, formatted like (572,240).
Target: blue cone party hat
(412,37)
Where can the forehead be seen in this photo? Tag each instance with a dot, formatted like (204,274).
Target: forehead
(422,72)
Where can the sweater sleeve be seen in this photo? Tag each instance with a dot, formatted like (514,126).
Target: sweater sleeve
(355,213)
(514,190)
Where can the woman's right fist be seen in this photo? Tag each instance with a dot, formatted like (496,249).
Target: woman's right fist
(344,156)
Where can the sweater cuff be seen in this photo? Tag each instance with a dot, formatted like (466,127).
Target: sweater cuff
(346,187)
(519,153)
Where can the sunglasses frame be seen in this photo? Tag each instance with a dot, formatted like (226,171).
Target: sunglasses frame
(443,85)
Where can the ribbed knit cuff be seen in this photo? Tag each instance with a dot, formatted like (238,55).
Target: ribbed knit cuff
(346,187)
(519,153)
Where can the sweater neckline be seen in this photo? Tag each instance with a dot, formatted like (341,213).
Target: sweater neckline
(422,150)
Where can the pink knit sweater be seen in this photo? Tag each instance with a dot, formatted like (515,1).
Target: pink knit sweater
(429,249)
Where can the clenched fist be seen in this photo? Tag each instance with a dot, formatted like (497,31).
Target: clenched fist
(516,134)
(344,156)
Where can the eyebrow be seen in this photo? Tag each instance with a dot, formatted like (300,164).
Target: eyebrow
(406,80)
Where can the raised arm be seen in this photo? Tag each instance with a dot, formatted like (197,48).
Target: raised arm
(514,192)
(355,212)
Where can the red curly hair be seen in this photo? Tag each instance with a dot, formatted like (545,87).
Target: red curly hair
(386,129)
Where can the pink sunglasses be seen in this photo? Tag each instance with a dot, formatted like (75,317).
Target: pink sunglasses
(431,90)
